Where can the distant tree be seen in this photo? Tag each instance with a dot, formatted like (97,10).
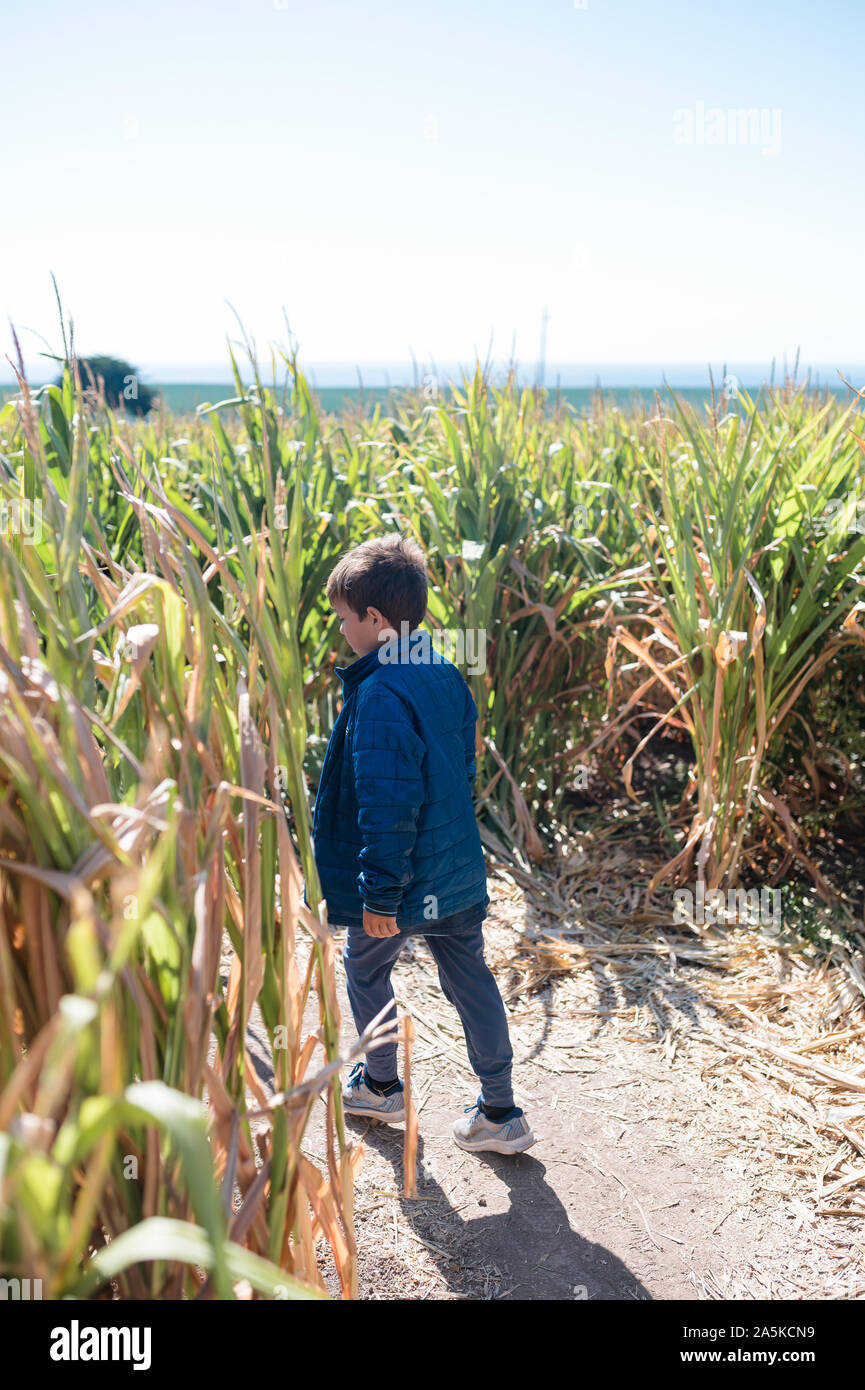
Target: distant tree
(122,385)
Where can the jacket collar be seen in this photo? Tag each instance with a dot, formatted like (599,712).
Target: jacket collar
(356,671)
(389,652)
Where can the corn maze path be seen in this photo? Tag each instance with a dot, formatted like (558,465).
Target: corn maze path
(660,1169)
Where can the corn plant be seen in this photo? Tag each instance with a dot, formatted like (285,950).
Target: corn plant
(741,598)
(151,721)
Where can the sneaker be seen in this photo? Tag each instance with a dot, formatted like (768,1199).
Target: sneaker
(360,1099)
(479,1133)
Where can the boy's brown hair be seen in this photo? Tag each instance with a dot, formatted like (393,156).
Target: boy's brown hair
(387,573)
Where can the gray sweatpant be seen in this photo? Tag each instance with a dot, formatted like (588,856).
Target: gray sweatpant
(467,982)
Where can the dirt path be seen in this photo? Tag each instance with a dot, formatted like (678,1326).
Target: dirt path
(662,1169)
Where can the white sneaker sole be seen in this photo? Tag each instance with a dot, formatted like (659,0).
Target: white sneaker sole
(498,1146)
(387,1117)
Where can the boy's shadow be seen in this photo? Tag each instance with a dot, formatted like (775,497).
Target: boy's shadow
(532,1245)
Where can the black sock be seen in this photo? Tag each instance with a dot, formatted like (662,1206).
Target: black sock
(496,1112)
(380,1087)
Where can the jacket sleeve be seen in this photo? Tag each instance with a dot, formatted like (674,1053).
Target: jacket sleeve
(469,726)
(388,759)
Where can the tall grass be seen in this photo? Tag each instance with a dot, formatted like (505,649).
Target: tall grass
(746,592)
(151,717)
(166,690)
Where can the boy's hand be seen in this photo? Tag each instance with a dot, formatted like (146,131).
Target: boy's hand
(376,925)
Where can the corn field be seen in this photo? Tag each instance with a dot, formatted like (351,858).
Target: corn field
(167,690)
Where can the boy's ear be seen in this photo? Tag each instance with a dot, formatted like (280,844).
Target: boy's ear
(380,622)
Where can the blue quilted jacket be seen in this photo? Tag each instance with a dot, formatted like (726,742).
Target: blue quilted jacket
(394,826)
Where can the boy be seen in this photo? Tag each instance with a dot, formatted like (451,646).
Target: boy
(396,840)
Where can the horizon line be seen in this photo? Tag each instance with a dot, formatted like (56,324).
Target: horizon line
(343,373)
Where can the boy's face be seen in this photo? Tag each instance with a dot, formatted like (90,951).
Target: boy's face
(362,634)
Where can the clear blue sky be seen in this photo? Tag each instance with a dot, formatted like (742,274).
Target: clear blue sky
(423,175)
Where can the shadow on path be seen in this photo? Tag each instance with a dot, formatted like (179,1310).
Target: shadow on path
(532,1245)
